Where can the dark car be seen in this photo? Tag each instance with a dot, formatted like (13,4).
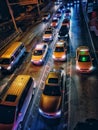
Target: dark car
(63,32)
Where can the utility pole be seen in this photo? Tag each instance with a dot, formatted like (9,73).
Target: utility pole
(11,13)
(38,7)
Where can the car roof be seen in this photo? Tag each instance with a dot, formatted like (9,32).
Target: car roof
(60,43)
(83,48)
(54,74)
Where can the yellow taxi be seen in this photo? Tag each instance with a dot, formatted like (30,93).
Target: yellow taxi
(60,51)
(83,60)
(39,53)
(51,98)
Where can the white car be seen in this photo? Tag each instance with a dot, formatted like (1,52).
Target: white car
(39,53)
(48,35)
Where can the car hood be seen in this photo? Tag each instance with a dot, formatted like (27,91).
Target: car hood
(47,35)
(58,54)
(63,33)
(37,57)
(53,23)
(84,65)
(50,103)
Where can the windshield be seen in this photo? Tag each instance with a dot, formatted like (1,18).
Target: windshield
(53,80)
(52,90)
(38,52)
(59,49)
(84,58)
(5,61)
(7,114)
(64,29)
(48,32)
(55,20)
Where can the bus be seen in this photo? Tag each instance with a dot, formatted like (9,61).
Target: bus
(11,56)
(15,102)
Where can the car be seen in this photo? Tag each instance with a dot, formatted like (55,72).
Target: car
(39,53)
(48,35)
(60,51)
(58,14)
(66,21)
(51,98)
(67,13)
(55,22)
(46,17)
(62,8)
(58,2)
(83,60)
(63,32)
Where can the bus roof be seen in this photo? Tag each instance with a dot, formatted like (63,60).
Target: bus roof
(15,90)
(8,53)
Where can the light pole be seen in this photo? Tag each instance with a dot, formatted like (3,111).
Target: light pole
(11,13)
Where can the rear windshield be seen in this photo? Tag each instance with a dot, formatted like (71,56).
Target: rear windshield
(7,114)
(52,90)
(59,49)
(38,52)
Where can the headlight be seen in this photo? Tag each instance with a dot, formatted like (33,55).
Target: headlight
(77,67)
(9,67)
(91,68)
(50,37)
(63,56)
(58,113)
(40,60)
(56,24)
(53,56)
(31,60)
(0,67)
(66,35)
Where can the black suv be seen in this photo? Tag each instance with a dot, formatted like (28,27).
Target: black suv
(64,32)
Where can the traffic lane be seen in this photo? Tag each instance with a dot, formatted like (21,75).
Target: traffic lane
(41,123)
(83,96)
(78,110)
